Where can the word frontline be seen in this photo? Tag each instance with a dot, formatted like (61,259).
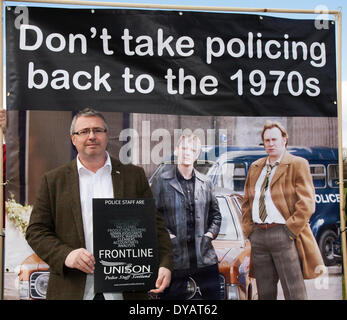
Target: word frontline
(126,253)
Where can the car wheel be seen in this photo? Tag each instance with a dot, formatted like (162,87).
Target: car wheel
(326,242)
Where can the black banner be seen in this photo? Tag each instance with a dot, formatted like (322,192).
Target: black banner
(125,245)
(169,62)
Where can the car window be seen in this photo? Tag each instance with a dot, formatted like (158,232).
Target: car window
(232,176)
(203,166)
(333,175)
(318,175)
(236,203)
(228,229)
(160,169)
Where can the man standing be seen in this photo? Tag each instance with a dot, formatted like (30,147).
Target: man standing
(278,203)
(60,230)
(187,202)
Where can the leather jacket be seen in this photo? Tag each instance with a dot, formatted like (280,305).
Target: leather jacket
(170,201)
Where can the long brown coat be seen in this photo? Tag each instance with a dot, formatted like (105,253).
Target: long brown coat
(56,227)
(293,194)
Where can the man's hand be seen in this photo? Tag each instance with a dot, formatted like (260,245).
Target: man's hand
(80,259)
(163,280)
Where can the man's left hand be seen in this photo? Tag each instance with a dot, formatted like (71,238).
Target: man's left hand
(163,280)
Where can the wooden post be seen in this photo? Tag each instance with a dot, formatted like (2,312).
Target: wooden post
(339,108)
(2,236)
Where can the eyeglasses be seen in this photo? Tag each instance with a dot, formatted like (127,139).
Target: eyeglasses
(86,131)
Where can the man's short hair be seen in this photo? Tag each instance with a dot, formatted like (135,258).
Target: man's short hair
(273,124)
(87,112)
(190,137)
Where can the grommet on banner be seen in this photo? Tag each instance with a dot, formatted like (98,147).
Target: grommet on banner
(92,11)
(180,13)
(261,17)
(6,183)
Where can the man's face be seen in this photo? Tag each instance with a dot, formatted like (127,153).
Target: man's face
(274,143)
(187,152)
(92,144)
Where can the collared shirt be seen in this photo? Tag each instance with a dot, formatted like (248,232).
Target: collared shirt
(188,186)
(94,185)
(273,215)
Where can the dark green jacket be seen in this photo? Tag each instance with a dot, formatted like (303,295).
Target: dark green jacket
(56,227)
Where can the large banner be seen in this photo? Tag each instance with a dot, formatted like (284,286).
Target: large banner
(169,62)
(155,74)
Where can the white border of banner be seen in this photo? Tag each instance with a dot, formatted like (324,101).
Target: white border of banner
(338,18)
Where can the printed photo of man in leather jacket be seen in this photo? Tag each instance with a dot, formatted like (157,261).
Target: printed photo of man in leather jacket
(190,209)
